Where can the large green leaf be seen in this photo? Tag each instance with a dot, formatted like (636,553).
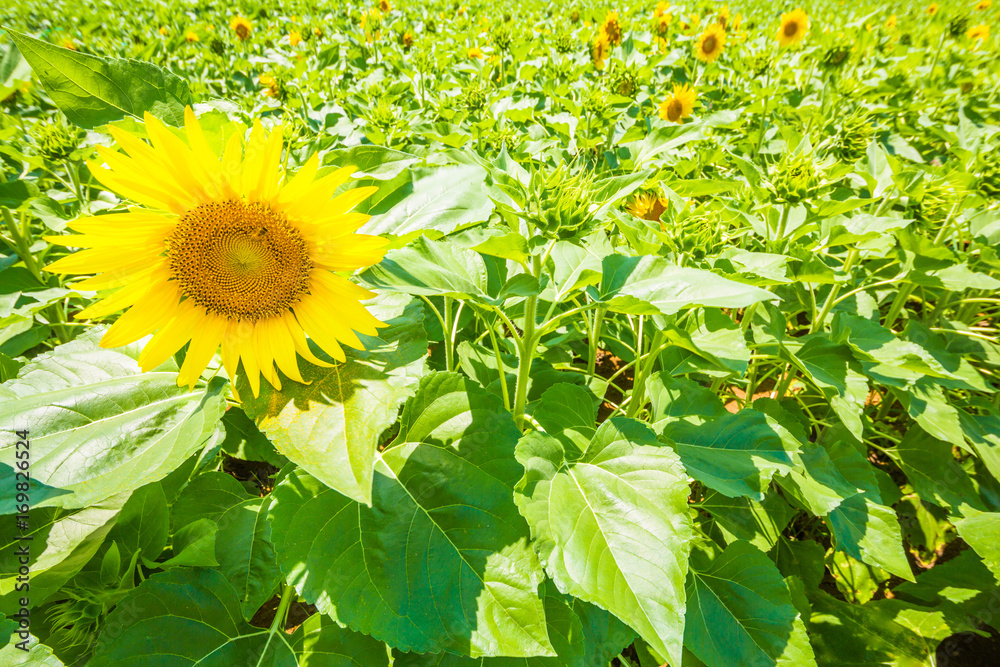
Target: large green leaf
(739,610)
(440,560)
(99,426)
(441,199)
(933,471)
(12,647)
(759,523)
(582,634)
(736,454)
(61,543)
(981,530)
(650,285)
(242,544)
(319,642)
(611,524)
(92,91)
(185,616)
(143,524)
(331,427)
(431,268)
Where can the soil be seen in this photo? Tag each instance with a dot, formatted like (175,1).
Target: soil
(968,649)
(607,365)
(260,473)
(298,612)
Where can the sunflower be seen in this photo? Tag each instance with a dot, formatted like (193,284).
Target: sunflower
(241,27)
(662,24)
(294,38)
(979,34)
(661,9)
(711,43)
(164,31)
(891,22)
(983,5)
(612,29)
(475,53)
(932,9)
(599,50)
(647,205)
(224,253)
(191,36)
(794,26)
(723,17)
(679,105)
(384,6)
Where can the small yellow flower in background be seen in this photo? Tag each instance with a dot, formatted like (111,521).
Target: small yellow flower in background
(461,11)
(318,31)
(612,29)
(599,50)
(69,44)
(983,5)
(384,6)
(273,89)
(224,255)
(679,105)
(891,22)
(407,39)
(648,206)
(475,53)
(979,34)
(932,9)
(164,31)
(711,43)
(241,27)
(794,26)
(662,23)
(191,37)
(294,38)
(661,9)
(210,27)
(723,17)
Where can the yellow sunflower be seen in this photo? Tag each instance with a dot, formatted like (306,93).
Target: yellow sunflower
(891,22)
(711,43)
(648,206)
(164,31)
(679,105)
(979,34)
(983,5)
(242,27)
(224,254)
(384,6)
(932,9)
(661,9)
(612,29)
(475,53)
(191,36)
(794,26)
(294,38)
(599,50)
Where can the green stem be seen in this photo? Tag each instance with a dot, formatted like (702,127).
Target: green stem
(595,335)
(21,236)
(500,369)
(526,350)
(287,596)
(449,353)
(852,257)
(643,371)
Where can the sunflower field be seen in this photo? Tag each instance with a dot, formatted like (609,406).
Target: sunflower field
(499,334)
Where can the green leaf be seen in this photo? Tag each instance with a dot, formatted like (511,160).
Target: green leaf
(862,528)
(194,546)
(143,524)
(739,609)
(37,655)
(377,162)
(185,616)
(440,560)
(673,398)
(62,542)
(832,368)
(320,642)
(611,524)
(332,426)
(759,523)
(981,530)
(735,454)
(243,546)
(245,441)
(653,285)
(431,268)
(816,483)
(567,412)
(582,634)
(933,471)
(99,425)
(92,91)
(443,199)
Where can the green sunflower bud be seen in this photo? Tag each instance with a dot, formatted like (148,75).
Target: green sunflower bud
(55,140)
(559,202)
(989,174)
(851,139)
(794,178)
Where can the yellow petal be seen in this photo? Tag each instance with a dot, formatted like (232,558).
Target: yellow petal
(172,337)
(316,326)
(144,317)
(283,347)
(154,278)
(301,345)
(349,253)
(203,345)
(98,260)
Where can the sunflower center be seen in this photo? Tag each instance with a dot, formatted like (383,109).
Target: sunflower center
(674,110)
(242,31)
(239,260)
(791,28)
(709,45)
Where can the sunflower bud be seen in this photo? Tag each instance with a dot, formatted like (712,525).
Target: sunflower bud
(559,202)
(958,26)
(55,140)
(834,57)
(851,140)
(794,178)
(501,37)
(989,174)
(621,80)
(564,42)
(695,232)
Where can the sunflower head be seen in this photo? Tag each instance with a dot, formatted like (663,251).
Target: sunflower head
(978,34)
(890,23)
(661,9)
(662,23)
(294,38)
(191,36)
(384,6)
(475,53)
(647,205)
(612,29)
(163,30)
(711,43)
(242,27)
(224,254)
(932,9)
(599,50)
(679,105)
(793,28)
(983,5)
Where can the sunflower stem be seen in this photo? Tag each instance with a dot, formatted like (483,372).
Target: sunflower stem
(449,336)
(526,350)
